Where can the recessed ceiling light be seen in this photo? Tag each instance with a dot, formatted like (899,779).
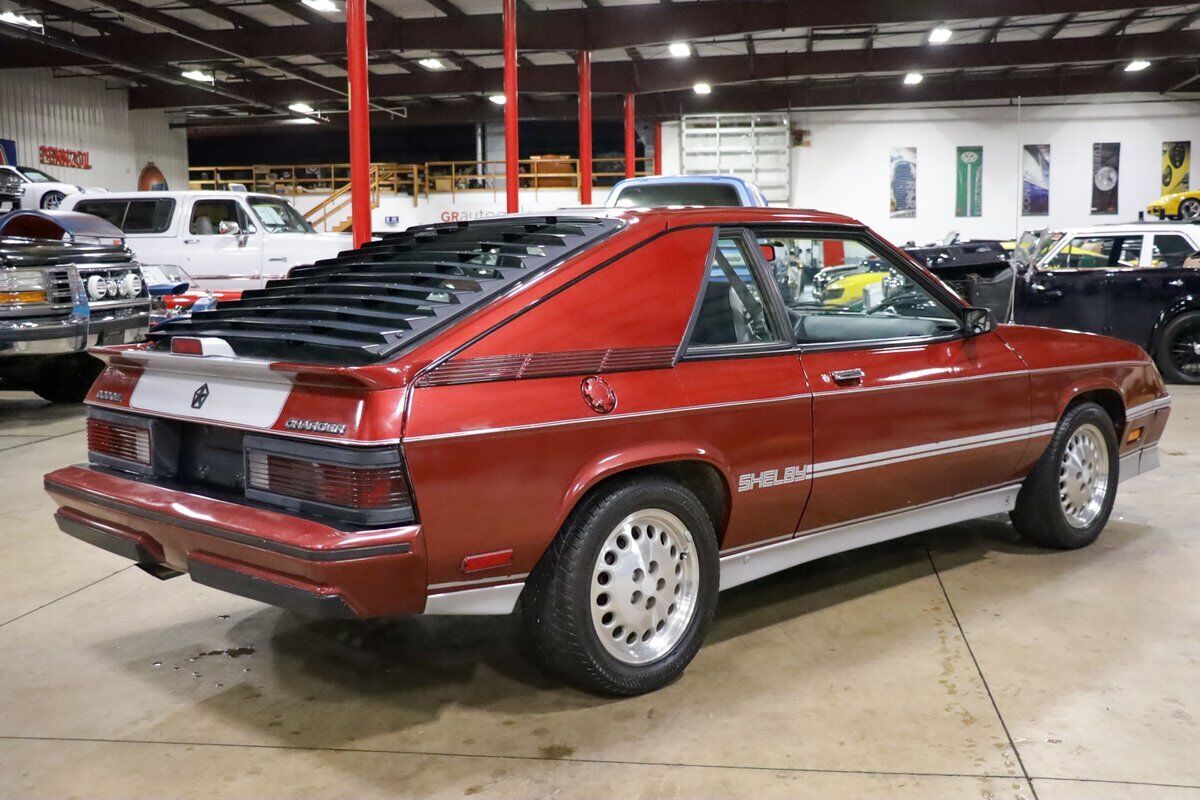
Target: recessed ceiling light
(431,63)
(1137,65)
(302,108)
(198,76)
(680,49)
(324,6)
(913,78)
(940,35)
(13,18)
(702,88)
(498,99)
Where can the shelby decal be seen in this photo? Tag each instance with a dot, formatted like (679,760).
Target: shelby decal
(111,397)
(771,477)
(313,425)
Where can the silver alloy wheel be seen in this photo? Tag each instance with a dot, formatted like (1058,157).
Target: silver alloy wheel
(1083,476)
(51,201)
(645,586)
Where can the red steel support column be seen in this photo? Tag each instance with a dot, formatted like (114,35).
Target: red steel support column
(630,149)
(657,147)
(585,127)
(360,120)
(512,153)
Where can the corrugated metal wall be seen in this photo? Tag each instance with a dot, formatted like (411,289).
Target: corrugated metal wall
(83,114)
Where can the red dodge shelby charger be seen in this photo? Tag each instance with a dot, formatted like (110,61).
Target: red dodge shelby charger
(600,419)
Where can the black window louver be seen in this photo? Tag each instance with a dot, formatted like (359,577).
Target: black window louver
(368,304)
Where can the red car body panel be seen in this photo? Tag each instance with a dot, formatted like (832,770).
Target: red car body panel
(508,417)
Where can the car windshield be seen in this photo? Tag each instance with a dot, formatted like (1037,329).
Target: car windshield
(650,195)
(278,216)
(36,175)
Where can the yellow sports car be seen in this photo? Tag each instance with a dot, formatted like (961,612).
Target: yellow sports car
(1181,205)
(848,290)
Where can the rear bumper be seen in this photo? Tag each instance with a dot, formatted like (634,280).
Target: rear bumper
(265,555)
(59,335)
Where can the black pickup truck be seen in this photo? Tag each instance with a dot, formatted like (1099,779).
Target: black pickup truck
(67,282)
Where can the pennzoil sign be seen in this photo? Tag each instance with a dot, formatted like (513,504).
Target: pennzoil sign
(61,157)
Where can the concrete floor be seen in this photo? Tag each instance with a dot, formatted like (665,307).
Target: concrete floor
(959,664)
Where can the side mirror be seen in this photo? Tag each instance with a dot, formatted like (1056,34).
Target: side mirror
(228,228)
(979,320)
(768,252)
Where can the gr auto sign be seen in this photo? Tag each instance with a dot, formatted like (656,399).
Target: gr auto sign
(61,157)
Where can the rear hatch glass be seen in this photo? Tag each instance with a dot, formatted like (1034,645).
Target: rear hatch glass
(368,304)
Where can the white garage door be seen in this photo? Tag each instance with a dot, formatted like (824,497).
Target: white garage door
(756,147)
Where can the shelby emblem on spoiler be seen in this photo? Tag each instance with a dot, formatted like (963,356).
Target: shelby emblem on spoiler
(315,425)
(771,477)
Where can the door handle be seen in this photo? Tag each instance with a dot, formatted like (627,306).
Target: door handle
(842,377)
(191,241)
(284,259)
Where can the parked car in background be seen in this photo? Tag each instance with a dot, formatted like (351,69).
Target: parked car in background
(67,283)
(684,190)
(214,240)
(10,188)
(1180,206)
(357,440)
(1133,281)
(40,190)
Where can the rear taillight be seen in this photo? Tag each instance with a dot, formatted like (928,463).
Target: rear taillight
(115,440)
(366,485)
(353,487)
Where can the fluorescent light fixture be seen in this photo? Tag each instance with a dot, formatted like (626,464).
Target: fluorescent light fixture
(680,49)
(702,88)
(13,18)
(498,99)
(913,78)
(302,108)
(431,63)
(1137,65)
(324,6)
(940,35)
(198,76)
(303,121)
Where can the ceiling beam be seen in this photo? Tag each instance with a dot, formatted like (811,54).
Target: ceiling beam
(577,29)
(670,74)
(780,96)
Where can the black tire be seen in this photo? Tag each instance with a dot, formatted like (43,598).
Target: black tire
(52,200)
(558,598)
(1040,516)
(1176,354)
(1189,208)
(67,379)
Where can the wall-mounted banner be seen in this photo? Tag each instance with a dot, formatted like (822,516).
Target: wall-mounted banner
(8,152)
(1035,180)
(1106,176)
(61,157)
(904,182)
(1176,167)
(969,182)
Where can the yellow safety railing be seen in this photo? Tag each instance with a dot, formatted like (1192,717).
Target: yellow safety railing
(538,172)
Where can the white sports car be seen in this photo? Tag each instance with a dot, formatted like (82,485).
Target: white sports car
(39,190)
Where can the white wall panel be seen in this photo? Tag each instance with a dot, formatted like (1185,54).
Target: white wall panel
(84,114)
(846,169)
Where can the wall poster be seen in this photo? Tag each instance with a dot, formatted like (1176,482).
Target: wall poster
(904,182)
(969,182)
(8,152)
(1106,176)
(1035,180)
(1176,167)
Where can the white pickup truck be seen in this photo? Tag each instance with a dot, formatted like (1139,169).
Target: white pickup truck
(213,240)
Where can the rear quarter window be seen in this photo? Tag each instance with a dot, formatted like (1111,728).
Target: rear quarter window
(132,216)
